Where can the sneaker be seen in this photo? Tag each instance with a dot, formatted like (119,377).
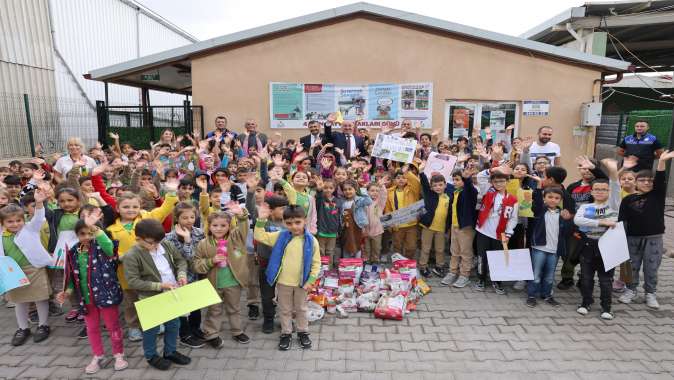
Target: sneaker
(652,301)
(461,282)
(242,338)
(440,272)
(449,279)
(607,315)
(253,312)
(498,289)
(285,342)
(72,315)
(519,285)
(42,333)
(55,310)
(583,310)
(192,342)
(425,272)
(120,363)
(268,325)
(20,337)
(33,318)
(628,296)
(304,340)
(94,366)
(83,333)
(135,335)
(531,301)
(565,284)
(552,301)
(159,363)
(618,286)
(216,342)
(479,286)
(178,358)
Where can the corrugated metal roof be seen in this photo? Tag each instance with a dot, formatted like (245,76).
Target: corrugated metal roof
(184,52)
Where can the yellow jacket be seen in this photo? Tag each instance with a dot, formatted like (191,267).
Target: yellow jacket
(127,239)
(412,193)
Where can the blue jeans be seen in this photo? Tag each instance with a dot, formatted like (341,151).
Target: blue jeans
(171,329)
(544,264)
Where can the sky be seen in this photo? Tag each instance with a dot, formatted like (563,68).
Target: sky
(206,19)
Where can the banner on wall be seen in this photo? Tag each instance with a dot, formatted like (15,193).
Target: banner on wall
(293,105)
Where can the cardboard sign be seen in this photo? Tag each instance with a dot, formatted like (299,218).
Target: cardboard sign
(394,148)
(440,163)
(11,275)
(613,247)
(404,215)
(510,265)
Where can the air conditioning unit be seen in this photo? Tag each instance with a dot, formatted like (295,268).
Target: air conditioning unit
(590,114)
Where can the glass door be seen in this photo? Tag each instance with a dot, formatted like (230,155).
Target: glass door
(495,116)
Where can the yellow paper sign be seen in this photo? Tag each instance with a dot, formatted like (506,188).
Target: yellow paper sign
(155,310)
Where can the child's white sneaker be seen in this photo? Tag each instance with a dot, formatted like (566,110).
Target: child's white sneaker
(120,363)
(94,366)
(449,279)
(628,296)
(607,315)
(461,282)
(652,301)
(583,310)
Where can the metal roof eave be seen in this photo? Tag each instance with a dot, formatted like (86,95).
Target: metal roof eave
(184,52)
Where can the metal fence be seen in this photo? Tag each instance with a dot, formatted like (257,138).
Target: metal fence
(612,128)
(28,120)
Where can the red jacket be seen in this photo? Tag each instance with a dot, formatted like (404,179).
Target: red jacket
(507,208)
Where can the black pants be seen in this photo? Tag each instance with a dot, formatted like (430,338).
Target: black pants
(190,324)
(591,262)
(267,294)
(484,244)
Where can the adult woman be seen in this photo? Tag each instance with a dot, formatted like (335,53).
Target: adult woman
(75,156)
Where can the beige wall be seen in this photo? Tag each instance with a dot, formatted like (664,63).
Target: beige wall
(236,82)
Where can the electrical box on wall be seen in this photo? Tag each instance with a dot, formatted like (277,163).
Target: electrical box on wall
(590,114)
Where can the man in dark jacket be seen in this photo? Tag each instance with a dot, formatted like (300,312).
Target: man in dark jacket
(351,144)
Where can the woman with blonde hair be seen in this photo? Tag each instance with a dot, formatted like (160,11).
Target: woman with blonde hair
(75,157)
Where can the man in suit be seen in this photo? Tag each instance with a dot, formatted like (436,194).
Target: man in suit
(251,138)
(313,137)
(345,140)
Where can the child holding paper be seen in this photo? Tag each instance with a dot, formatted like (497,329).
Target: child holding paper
(435,222)
(293,266)
(496,221)
(644,218)
(222,257)
(90,275)
(32,263)
(405,192)
(593,219)
(151,267)
(374,230)
(354,218)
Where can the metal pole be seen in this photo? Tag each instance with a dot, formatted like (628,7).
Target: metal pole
(671,143)
(29,123)
(107,101)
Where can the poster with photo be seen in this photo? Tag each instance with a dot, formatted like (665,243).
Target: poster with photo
(319,101)
(384,100)
(286,105)
(415,102)
(497,120)
(352,101)
(460,122)
(394,148)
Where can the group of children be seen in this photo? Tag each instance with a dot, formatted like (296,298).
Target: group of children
(259,218)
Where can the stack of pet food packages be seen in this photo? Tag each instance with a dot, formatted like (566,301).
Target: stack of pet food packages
(354,287)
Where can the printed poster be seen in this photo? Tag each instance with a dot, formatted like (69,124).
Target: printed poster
(11,275)
(440,163)
(394,148)
(293,105)
(535,108)
(405,215)
(460,122)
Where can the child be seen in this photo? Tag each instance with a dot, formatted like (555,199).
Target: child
(91,275)
(293,266)
(130,213)
(275,223)
(329,213)
(152,266)
(405,192)
(434,223)
(464,207)
(374,231)
(643,214)
(185,237)
(222,257)
(298,194)
(548,241)
(593,219)
(38,291)
(354,218)
(496,222)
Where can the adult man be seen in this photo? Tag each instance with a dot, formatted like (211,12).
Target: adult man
(641,144)
(351,144)
(221,129)
(251,137)
(313,137)
(544,147)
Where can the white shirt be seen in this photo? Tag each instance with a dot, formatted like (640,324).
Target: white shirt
(314,138)
(163,266)
(551,232)
(490,225)
(65,163)
(549,149)
(351,139)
